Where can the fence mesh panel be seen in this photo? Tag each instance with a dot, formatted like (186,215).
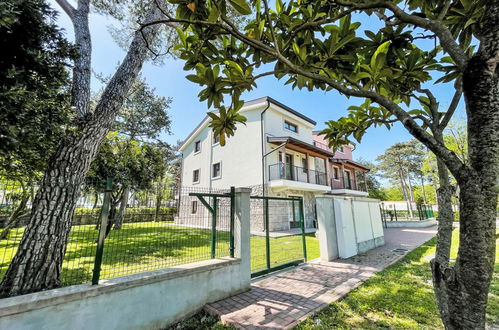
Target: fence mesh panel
(148,229)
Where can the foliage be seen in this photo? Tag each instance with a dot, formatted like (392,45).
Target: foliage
(130,163)
(429,194)
(316,45)
(456,139)
(393,193)
(373,185)
(144,114)
(401,163)
(34,100)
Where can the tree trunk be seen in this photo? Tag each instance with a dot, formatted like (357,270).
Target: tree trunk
(444,238)
(38,261)
(120,217)
(423,189)
(466,285)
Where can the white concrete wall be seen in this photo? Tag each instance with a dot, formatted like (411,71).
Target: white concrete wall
(142,301)
(274,124)
(240,158)
(348,226)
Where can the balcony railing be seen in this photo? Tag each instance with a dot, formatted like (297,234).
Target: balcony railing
(282,171)
(349,183)
(322,146)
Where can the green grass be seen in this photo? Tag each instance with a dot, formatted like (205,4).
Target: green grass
(146,246)
(399,297)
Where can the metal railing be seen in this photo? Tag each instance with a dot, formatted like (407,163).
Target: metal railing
(294,173)
(342,182)
(159,227)
(420,212)
(322,146)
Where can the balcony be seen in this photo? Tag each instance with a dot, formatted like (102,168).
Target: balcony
(288,176)
(350,186)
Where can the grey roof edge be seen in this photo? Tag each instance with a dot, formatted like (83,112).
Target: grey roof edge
(251,102)
(281,105)
(290,138)
(350,161)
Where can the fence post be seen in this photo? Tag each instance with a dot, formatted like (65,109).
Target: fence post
(103,219)
(232,213)
(214,228)
(267,232)
(242,233)
(302,222)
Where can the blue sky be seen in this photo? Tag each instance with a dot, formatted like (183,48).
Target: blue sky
(186,110)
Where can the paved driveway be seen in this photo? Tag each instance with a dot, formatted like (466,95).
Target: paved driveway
(279,301)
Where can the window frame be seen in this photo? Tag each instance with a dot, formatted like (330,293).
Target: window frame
(197,143)
(288,124)
(336,170)
(194,176)
(214,140)
(219,170)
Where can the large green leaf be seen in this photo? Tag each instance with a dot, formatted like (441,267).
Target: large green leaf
(241,6)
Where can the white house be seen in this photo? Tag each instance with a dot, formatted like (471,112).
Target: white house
(274,153)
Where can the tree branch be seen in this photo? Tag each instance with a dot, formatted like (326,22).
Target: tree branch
(447,41)
(452,161)
(452,108)
(68,9)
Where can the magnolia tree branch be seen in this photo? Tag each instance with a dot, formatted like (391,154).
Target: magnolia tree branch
(451,160)
(447,41)
(452,107)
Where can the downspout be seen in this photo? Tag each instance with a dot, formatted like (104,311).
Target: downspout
(262,130)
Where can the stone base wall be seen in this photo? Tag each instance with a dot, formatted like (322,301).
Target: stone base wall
(280,212)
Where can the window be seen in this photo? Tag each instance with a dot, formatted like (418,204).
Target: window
(216,173)
(336,173)
(341,149)
(216,139)
(194,207)
(290,126)
(304,165)
(195,176)
(197,146)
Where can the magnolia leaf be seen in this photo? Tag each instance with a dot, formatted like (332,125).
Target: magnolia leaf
(191,6)
(241,6)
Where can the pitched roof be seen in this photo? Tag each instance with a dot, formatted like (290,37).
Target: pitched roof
(248,103)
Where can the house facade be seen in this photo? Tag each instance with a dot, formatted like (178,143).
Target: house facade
(276,153)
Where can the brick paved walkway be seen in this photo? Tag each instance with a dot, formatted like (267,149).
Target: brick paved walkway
(280,301)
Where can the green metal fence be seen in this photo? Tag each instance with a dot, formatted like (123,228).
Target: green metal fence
(420,213)
(277,234)
(175,229)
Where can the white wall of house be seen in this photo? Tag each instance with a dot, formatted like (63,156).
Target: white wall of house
(240,158)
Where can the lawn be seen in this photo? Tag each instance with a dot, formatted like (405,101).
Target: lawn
(399,297)
(145,246)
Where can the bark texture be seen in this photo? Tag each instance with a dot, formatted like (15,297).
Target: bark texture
(464,287)
(38,261)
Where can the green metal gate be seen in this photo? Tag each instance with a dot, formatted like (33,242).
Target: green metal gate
(214,208)
(277,234)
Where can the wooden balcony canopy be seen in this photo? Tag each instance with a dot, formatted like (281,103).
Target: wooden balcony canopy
(351,163)
(300,146)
